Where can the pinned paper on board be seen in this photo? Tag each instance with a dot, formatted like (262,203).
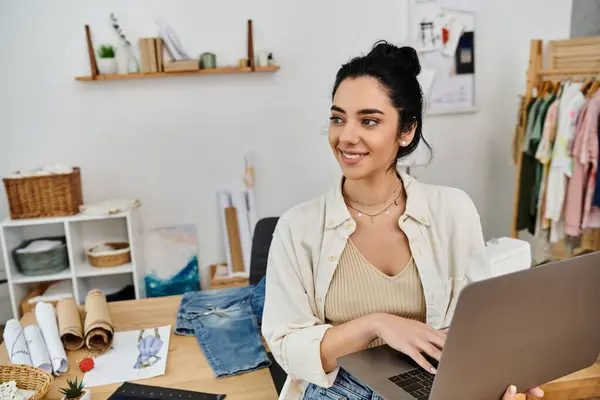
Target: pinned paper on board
(451,91)
(442,32)
(451,32)
(427,29)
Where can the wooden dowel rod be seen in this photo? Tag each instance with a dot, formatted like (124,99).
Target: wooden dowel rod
(250,46)
(90,46)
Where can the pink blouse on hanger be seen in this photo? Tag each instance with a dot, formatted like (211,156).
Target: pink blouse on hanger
(579,212)
(591,215)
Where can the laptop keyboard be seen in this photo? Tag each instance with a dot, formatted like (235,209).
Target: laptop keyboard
(417,383)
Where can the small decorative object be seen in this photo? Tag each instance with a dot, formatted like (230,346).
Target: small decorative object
(271,59)
(75,391)
(86,364)
(107,63)
(208,61)
(133,65)
(27,378)
(148,348)
(262,59)
(110,254)
(243,63)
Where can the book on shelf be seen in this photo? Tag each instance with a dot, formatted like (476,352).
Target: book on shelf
(183,65)
(151,52)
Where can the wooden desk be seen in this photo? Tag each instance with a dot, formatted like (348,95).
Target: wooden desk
(186,366)
(584,384)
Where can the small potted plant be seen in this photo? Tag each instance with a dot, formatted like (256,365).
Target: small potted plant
(75,391)
(107,63)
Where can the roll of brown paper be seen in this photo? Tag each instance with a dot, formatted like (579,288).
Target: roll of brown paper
(98,327)
(69,324)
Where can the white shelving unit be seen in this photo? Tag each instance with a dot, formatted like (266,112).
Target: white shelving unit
(81,232)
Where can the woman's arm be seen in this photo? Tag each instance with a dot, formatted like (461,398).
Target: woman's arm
(410,337)
(289,324)
(347,338)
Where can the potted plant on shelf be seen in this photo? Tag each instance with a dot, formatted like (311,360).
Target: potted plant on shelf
(75,391)
(107,63)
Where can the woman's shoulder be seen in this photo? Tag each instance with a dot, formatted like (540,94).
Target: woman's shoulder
(446,201)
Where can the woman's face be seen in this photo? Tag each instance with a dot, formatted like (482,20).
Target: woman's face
(363,128)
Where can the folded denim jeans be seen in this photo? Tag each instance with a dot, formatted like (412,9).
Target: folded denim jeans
(226,323)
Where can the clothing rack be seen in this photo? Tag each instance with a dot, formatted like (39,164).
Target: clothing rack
(572,59)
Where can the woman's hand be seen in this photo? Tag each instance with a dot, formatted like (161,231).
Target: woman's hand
(411,338)
(511,393)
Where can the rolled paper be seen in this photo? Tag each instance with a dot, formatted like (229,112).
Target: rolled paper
(16,345)
(98,328)
(46,320)
(37,348)
(69,324)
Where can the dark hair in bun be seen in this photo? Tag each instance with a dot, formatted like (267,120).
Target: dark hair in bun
(396,69)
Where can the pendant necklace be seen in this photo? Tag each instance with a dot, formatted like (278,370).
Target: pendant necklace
(386,210)
(392,196)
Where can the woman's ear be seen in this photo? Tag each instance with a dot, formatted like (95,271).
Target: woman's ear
(407,136)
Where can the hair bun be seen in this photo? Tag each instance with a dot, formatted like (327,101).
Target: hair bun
(404,58)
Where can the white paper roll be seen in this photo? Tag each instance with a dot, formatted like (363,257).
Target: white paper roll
(16,345)
(37,348)
(46,319)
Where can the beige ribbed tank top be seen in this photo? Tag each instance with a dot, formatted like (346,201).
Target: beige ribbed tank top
(358,288)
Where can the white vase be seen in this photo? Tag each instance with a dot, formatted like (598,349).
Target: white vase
(108,66)
(87,395)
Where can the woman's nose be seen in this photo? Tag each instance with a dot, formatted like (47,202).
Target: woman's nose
(349,134)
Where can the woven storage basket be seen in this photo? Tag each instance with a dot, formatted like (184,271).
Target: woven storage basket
(44,196)
(119,256)
(42,262)
(27,378)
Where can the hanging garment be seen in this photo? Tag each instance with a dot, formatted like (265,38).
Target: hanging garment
(596,201)
(227,326)
(525,220)
(591,215)
(544,156)
(541,248)
(536,135)
(560,166)
(578,181)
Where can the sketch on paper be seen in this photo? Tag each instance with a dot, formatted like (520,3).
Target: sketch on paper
(138,354)
(171,260)
(427,29)
(148,348)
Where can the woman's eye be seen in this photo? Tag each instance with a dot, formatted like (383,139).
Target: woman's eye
(370,122)
(335,120)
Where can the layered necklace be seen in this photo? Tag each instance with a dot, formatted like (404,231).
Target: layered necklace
(391,201)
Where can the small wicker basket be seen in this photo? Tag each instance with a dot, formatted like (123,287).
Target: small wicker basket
(55,195)
(27,378)
(120,255)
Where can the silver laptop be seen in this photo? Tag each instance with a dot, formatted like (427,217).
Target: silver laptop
(525,329)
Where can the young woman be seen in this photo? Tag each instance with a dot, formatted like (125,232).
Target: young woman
(380,258)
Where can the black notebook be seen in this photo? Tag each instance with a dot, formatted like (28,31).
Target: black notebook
(133,391)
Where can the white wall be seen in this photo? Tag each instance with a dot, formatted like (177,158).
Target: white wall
(173,142)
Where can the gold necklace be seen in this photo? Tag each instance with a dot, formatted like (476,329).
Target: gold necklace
(386,210)
(392,196)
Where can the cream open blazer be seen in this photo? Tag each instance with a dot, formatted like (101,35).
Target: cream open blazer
(445,238)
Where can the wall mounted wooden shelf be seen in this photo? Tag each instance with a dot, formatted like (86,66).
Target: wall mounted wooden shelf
(226,70)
